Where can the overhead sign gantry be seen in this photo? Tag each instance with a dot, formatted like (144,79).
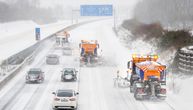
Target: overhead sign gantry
(96,10)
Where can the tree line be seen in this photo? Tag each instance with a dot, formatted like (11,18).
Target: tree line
(30,10)
(170,13)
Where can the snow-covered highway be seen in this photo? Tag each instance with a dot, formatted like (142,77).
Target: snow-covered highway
(95,84)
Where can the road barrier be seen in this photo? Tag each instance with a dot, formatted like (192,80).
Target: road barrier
(185,60)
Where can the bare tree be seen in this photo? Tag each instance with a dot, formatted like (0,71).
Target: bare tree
(175,13)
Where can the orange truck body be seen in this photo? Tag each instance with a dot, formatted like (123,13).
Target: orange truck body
(146,66)
(89,46)
(64,34)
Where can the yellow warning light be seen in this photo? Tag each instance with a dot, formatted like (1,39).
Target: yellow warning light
(156,56)
(134,55)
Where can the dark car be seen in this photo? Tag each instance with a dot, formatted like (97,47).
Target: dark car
(69,74)
(52,59)
(35,75)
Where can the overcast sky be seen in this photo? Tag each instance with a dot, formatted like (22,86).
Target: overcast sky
(76,3)
(123,7)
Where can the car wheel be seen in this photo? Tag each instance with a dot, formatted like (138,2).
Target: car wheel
(42,80)
(54,108)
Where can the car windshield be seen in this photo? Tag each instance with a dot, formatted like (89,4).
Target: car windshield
(64,94)
(52,56)
(52,59)
(34,72)
(68,72)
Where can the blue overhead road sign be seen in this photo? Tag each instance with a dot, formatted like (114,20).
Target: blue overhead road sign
(96,10)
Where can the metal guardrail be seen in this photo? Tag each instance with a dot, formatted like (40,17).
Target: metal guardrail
(185,60)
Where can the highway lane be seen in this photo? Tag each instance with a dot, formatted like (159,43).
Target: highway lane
(95,84)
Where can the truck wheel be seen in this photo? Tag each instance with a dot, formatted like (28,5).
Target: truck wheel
(54,108)
(162,98)
(135,95)
(131,90)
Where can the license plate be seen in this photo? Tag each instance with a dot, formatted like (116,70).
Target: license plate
(64,100)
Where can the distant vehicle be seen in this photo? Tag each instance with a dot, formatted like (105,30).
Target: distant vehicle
(89,52)
(35,75)
(52,59)
(65,99)
(69,74)
(62,38)
(67,51)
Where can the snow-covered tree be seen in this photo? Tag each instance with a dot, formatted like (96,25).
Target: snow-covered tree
(175,13)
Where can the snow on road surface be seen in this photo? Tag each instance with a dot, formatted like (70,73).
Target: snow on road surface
(17,95)
(95,84)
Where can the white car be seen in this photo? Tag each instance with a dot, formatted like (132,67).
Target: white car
(65,99)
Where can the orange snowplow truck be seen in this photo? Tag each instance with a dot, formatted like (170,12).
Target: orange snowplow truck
(88,51)
(148,77)
(64,36)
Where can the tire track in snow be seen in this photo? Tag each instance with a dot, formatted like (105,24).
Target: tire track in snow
(152,105)
(10,96)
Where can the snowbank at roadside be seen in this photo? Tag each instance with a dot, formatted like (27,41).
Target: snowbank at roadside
(180,95)
(16,36)
(12,28)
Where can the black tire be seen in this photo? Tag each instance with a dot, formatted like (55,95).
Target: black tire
(131,90)
(75,79)
(42,80)
(162,98)
(135,96)
(54,108)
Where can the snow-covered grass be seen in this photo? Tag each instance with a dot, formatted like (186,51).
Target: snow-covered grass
(139,46)
(16,36)
(12,28)
(180,94)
